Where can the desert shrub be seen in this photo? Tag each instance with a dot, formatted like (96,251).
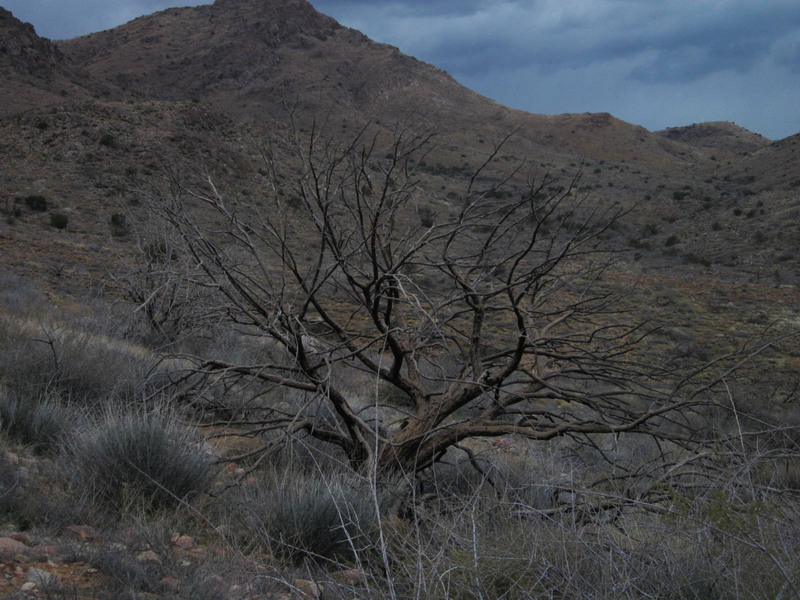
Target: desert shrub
(650,229)
(119,225)
(145,460)
(37,358)
(9,485)
(671,240)
(59,220)
(40,422)
(36,203)
(126,575)
(697,259)
(427,216)
(108,140)
(309,515)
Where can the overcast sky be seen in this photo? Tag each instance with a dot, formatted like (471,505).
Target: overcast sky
(657,63)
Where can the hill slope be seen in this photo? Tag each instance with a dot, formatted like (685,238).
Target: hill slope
(258,59)
(35,72)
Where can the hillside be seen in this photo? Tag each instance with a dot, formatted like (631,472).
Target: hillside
(36,73)
(274,327)
(209,79)
(254,59)
(728,138)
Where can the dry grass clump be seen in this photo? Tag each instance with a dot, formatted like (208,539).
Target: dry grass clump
(138,460)
(312,515)
(39,422)
(9,485)
(44,357)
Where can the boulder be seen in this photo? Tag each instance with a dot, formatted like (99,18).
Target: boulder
(42,579)
(10,548)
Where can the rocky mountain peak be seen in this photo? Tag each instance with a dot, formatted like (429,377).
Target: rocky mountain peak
(23,50)
(291,16)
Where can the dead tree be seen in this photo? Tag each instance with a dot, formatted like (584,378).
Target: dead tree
(482,312)
(163,287)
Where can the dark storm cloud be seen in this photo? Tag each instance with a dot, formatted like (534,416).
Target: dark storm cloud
(653,62)
(685,40)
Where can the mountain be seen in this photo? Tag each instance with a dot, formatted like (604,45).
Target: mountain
(104,111)
(248,55)
(36,72)
(253,59)
(728,138)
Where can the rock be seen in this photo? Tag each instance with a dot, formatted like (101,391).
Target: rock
(29,586)
(42,579)
(10,548)
(84,533)
(183,542)
(130,535)
(45,550)
(171,582)
(20,537)
(148,556)
(348,576)
(308,589)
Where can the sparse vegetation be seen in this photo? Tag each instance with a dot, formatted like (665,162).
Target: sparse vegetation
(399,373)
(59,220)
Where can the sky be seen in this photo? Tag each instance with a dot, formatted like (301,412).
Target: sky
(656,63)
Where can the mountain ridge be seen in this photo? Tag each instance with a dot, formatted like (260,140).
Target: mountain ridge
(206,78)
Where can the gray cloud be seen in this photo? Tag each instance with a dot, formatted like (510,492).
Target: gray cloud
(653,62)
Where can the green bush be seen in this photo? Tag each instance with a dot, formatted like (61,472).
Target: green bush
(59,220)
(140,460)
(119,225)
(36,203)
(108,140)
